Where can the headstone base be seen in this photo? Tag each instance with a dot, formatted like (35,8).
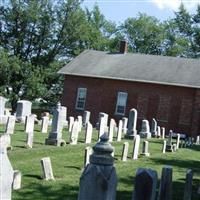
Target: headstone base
(169,148)
(145,154)
(146,135)
(55,142)
(130,135)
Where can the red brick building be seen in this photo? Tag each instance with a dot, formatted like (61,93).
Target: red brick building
(166,88)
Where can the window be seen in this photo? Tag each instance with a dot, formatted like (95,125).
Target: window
(81,97)
(121,103)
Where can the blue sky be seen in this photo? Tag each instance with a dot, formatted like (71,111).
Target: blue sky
(119,10)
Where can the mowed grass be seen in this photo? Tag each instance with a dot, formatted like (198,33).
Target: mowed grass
(67,163)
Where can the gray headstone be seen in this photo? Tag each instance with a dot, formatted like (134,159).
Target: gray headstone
(188,185)
(88,133)
(74,133)
(145,149)
(154,127)
(169,146)
(71,122)
(45,124)
(111,129)
(23,110)
(125,151)
(124,126)
(17,177)
(145,130)
(86,117)
(10,126)
(119,131)
(99,179)
(132,122)
(47,168)
(29,125)
(145,184)
(165,190)
(136,146)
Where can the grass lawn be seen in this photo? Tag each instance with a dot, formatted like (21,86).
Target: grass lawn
(67,163)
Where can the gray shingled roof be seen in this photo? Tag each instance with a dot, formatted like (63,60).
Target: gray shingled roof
(136,67)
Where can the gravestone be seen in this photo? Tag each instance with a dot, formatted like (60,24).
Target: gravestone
(5,141)
(125,151)
(105,116)
(88,152)
(99,179)
(29,140)
(29,125)
(71,122)
(6,175)
(136,146)
(132,122)
(80,122)
(119,131)
(178,141)
(10,126)
(145,149)
(188,185)
(145,130)
(74,133)
(124,126)
(47,168)
(164,146)
(169,146)
(163,132)
(55,136)
(23,110)
(154,127)
(102,124)
(88,133)
(197,142)
(17,177)
(165,190)
(45,124)
(111,129)
(145,184)
(86,117)
(3,117)
(158,132)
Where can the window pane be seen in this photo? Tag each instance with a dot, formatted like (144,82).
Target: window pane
(121,103)
(81,97)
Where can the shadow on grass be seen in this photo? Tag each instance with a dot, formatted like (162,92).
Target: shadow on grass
(33,176)
(22,147)
(73,167)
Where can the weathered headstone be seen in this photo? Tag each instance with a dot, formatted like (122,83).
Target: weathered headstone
(29,140)
(88,152)
(158,132)
(145,184)
(88,133)
(5,141)
(23,110)
(154,127)
(55,136)
(101,126)
(47,168)
(86,117)
(132,122)
(45,124)
(188,185)
(105,116)
(163,132)
(71,122)
(17,177)
(80,122)
(10,126)
(99,179)
(164,146)
(165,190)
(197,142)
(178,141)
(125,151)
(111,129)
(124,126)
(29,125)
(145,149)
(3,117)
(119,131)
(169,146)
(6,175)
(136,146)
(74,133)
(145,130)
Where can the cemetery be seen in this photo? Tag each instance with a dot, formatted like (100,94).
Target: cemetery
(63,157)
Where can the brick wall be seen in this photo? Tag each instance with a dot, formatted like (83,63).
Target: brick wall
(172,106)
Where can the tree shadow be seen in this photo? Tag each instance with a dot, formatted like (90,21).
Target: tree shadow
(33,176)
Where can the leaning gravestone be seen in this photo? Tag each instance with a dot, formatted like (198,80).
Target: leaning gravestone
(23,110)
(188,185)
(74,133)
(125,151)
(145,184)
(45,124)
(55,136)
(6,175)
(136,146)
(145,130)
(47,168)
(132,122)
(17,180)
(154,127)
(88,133)
(99,179)
(86,117)
(119,131)
(10,126)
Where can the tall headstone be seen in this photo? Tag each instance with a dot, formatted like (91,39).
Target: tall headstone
(45,124)
(197,141)
(29,140)
(145,149)
(86,117)
(188,185)
(163,132)
(154,127)
(71,122)
(10,126)
(124,126)
(88,152)
(165,190)
(125,151)
(145,184)
(23,110)
(169,146)
(178,141)
(80,122)
(145,130)
(164,146)
(136,146)
(119,131)
(158,132)
(74,133)
(6,175)
(99,179)
(101,126)
(88,133)
(29,125)
(132,122)
(17,177)
(5,141)
(105,116)
(111,129)
(47,168)
(3,117)
(55,136)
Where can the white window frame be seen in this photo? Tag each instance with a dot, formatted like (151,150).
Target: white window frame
(120,102)
(81,98)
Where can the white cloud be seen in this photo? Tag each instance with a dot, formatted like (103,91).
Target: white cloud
(174,4)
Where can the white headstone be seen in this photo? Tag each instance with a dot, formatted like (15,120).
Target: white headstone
(164,146)
(154,127)
(5,141)
(74,133)
(145,129)
(29,126)
(10,126)
(3,117)
(17,177)
(45,124)
(47,168)
(145,149)
(124,126)
(178,141)
(163,132)
(29,141)
(136,147)
(101,126)
(86,117)
(88,133)
(71,122)
(119,131)
(158,132)
(125,151)
(111,129)
(88,152)
(80,121)
(23,110)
